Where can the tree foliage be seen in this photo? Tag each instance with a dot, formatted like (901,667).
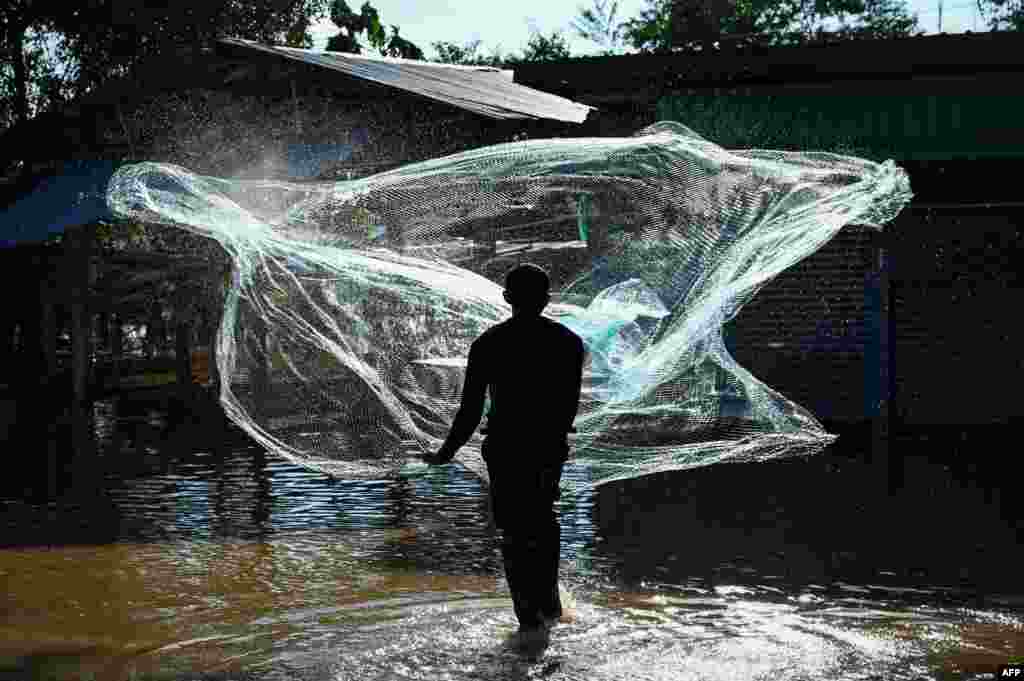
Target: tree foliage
(368,21)
(466,54)
(96,40)
(598,24)
(697,25)
(881,19)
(542,47)
(1003,15)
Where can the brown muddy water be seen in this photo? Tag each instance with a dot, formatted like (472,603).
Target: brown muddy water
(193,555)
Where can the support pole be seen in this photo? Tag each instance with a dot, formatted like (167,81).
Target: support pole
(886,460)
(81,328)
(79,277)
(103,329)
(7,327)
(155,331)
(116,349)
(47,331)
(183,358)
(48,368)
(261,374)
(212,333)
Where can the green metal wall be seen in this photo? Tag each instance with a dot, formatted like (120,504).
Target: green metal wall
(918,127)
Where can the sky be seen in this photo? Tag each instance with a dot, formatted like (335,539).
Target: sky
(509,24)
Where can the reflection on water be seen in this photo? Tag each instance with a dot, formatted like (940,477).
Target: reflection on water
(201,555)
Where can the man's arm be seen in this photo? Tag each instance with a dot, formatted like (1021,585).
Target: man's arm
(471,409)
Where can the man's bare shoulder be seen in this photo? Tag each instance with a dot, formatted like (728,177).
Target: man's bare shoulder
(565,331)
(512,328)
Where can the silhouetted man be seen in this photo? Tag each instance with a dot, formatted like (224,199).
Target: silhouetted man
(532,367)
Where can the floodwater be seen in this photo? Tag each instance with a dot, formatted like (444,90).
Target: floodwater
(199,557)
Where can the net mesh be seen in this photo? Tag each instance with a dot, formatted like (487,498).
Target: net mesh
(353,304)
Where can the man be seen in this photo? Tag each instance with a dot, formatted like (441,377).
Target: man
(533,368)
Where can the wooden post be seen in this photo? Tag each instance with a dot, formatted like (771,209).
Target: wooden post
(183,358)
(103,329)
(81,331)
(7,327)
(48,369)
(47,331)
(886,460)
(116,349)
(222,280)
(884,429)
(260,373)
(212,332)
(154,331)
(79,280)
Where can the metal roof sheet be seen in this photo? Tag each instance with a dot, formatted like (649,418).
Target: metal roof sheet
(483,90)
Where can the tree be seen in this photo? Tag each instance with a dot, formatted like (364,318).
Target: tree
(398,46)
(1003,15)
(598,25)
(450,53)
(691,25)
(352,25)
(102,39)
(702,25)
(368,21)
(466,54)
(881,19)
(539,48)
(544,48)
(23,61)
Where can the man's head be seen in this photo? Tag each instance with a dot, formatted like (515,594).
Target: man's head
(526,289)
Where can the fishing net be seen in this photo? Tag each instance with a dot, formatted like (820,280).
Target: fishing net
(353,304)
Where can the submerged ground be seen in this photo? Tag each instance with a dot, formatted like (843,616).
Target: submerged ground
(198,557)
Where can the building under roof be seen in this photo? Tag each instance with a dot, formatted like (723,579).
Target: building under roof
(74,194)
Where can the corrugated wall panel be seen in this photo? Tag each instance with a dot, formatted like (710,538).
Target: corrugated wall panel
(808,332)
(954,286)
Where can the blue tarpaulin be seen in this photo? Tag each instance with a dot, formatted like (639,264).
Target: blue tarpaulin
(74,196)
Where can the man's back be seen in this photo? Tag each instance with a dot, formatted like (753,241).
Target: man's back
(534,369)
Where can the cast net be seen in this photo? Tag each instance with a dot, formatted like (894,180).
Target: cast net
(353,304)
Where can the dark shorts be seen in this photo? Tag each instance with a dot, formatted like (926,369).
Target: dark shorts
(525,477)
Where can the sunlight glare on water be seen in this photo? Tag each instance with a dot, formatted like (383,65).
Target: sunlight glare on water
(213,558)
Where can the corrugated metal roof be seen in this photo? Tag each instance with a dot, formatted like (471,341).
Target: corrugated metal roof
(483,90)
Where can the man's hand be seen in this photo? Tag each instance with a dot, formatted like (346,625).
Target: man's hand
(442,457)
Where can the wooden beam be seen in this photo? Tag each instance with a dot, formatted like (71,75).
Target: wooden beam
(183,357)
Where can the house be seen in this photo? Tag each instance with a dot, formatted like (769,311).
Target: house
(240,110)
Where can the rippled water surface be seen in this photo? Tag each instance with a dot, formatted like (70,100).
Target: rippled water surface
(201,558)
